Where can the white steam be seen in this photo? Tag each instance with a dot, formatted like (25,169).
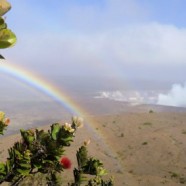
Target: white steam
(175,97)
(132,97)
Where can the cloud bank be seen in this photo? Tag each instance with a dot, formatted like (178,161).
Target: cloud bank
(149,49)
(94,38)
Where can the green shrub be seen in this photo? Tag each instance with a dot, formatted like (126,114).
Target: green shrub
(43,152)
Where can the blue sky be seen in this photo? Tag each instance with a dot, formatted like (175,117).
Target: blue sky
(126,38)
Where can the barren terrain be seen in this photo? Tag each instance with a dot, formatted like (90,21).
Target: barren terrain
(138,148)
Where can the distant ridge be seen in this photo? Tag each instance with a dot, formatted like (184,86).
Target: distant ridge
(106,106)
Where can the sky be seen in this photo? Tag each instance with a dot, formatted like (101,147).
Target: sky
(127,39)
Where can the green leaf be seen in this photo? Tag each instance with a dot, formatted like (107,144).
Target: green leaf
(23,172)
(27,135)
(11,153)
(82,156)
(18,154)
(94,167)
(42,136)
(37,165)
(48,161)
(4,7)
(25,165)
(8,165)
(27,155)
(101,171)
(55,130)
(7,38)
(2,168)
(3,25)
(30,139)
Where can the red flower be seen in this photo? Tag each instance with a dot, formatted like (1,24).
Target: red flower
(66,163)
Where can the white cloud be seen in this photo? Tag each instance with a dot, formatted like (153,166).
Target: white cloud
(106,52)
(149,44)
(98,40)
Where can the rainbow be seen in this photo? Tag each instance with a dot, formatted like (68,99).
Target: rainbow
(36,82)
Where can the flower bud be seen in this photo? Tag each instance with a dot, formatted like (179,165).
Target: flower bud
(87,142)
(68,127)
(7,121)
(78,121)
